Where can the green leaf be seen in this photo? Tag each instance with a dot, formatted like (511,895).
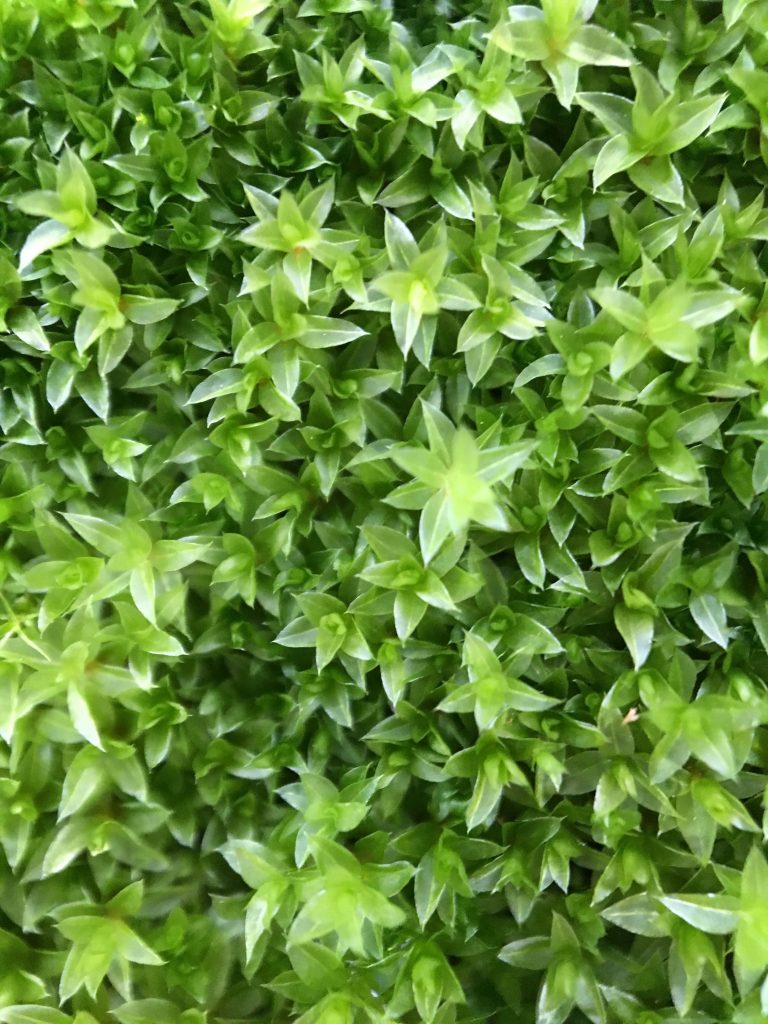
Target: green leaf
(141,310)
(593,45)
(758,341)
(717,915)
(623,307)
(636,628)
(616,155)
(639,914)
(659,177)
(23,1014)
(709,615)
(327,332)
(82,716)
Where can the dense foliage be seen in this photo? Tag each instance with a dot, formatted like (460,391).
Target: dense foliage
(384,410)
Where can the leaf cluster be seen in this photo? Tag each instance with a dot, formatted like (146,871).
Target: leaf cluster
(383,475)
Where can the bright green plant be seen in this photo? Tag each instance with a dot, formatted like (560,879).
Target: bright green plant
(384,557)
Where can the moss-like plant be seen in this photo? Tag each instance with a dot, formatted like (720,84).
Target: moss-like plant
(383,534)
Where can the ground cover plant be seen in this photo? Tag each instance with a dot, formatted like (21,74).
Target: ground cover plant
(384,412)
